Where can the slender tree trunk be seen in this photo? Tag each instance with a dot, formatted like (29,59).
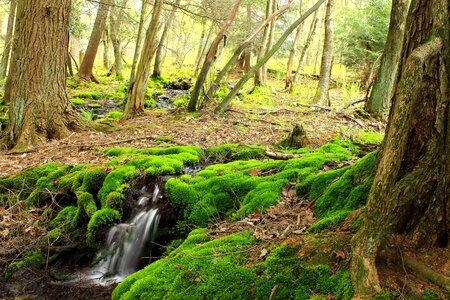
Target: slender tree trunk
(411,191)
(106,49)
(39,107)
(200,50)
(136,89)
(8,40)
(224,104)
(269,40)
(87,64)
(137,50)
(162,41)
(292,52)
(322,93)
(259,74)
(245,45)
(116,20)
(381,92)
(309,40)
(210,57)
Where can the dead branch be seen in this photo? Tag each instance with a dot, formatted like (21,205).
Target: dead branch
(312,106)
(282,156)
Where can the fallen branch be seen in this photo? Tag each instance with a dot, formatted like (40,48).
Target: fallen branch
(355,102)
(282,156)
(312,106)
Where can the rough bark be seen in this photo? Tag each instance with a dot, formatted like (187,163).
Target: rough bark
(87,64)
(380,94)
(210,57)
(322,94)
(136,89)
(224,104)
(162,41)
(116,20)
(245,45)
(412,186)
(137,50)
(8,40)
(36,88)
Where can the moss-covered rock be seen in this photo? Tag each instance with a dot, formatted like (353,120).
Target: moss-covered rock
(101,220)
(28,260)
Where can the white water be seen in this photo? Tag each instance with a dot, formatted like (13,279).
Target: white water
(126,242)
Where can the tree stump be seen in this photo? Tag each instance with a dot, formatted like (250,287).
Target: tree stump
(296,139)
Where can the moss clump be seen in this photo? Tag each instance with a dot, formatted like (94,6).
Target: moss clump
(89,95)
(77,101)
(202,268)
(229,152)
(94,105)
(101,220)
(115,115)
(117,181)
(86,204)
(66,219)
(115,201)
(340,191)
(29,259)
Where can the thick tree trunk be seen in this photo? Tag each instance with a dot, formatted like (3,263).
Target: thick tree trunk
(136,89)
(36,88)
(411,191)
(210,57)
(87,64)
(8,40)
(309,40)
(292,52)
(322,94)
(140,34)
(116,20)
(162,41)
(380,94)
(225,102)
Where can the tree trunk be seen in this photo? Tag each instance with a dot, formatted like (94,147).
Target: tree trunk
(138,48)
(224,104)
(411,191)
(245,45)
(259,74)
(210,57)
(8,40)
(136,89)
(381,92)
(162,41)
(87,64)
(322,94)
(298,34)
(269,40)
(36,88)
(106,49)
(309,40)
(198,57)
(116,20)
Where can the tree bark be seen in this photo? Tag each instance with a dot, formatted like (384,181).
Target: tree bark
(138,48)
(269,40)
(259,74)
(85,72)
(162,41)
(136,89)
(292,52)
(210,57)
(322,94)
(224,104)
(381,92)
(409,196)
(36,88)
(8,40)
(106,49)
(116,20)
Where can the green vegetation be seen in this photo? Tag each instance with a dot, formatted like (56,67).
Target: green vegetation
(29,259)
(218,269)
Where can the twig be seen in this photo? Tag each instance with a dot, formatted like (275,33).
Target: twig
(311,106)
(355,102)
(272,293)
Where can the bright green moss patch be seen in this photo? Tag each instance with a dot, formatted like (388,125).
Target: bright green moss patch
(66,219)
(89,95)
(234,152)
(115,115)
(117,181)
(77,101)
(202,268)
(101,220)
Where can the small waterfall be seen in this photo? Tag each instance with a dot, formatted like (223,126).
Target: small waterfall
(126,242)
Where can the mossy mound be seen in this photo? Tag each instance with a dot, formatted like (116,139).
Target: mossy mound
(242,187)
(229,152)
(202,268)
(339,192)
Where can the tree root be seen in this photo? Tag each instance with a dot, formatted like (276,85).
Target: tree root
(424,272)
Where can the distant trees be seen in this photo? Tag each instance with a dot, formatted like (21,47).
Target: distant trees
(8,40)
(86,68)
(36,86)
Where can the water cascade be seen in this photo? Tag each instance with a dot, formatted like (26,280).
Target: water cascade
(128,243)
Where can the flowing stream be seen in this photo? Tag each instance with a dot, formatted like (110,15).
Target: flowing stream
(128,243)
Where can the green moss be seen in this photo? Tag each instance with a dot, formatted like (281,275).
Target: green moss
(77,101)
(101,220)
(89,95)
(117,181)
(234,152)
(93,180)
(86,204)
(115,201)
(29,260)
(202,268)
(66,219)
(115,115)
